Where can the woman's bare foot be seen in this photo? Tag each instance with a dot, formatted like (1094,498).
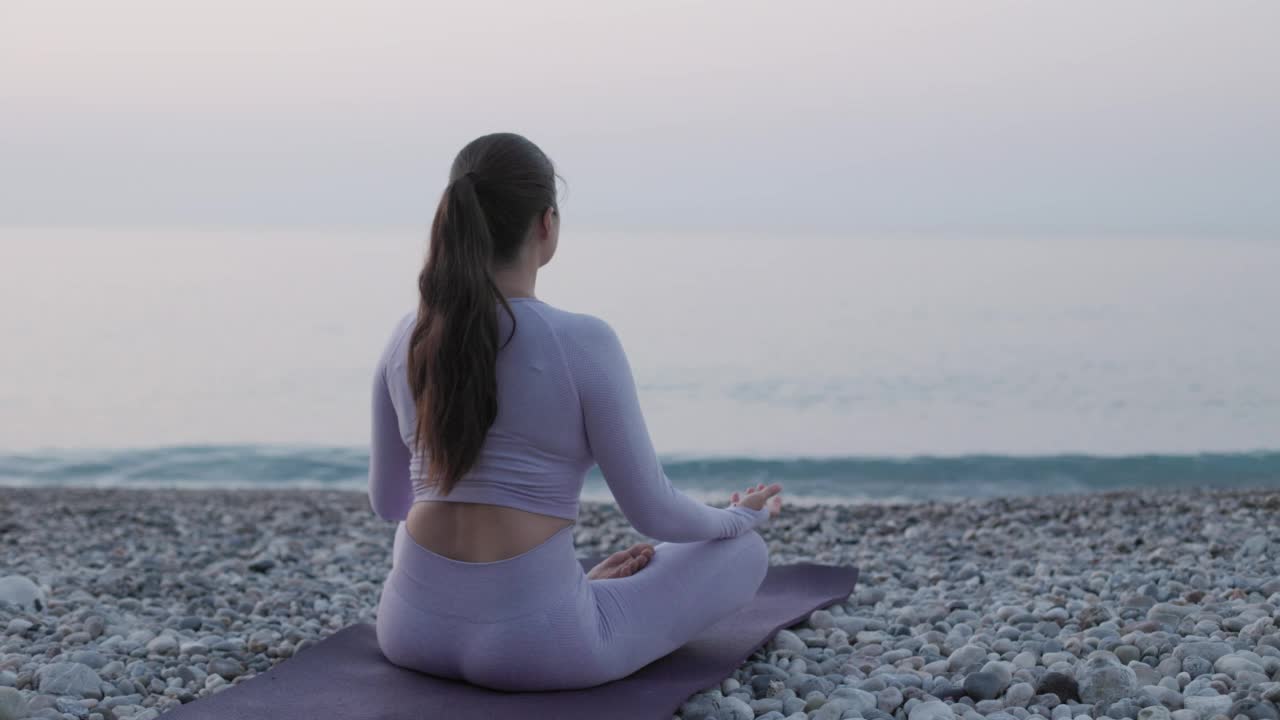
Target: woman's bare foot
(623,563)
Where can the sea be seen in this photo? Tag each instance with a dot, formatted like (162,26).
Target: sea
(885,367)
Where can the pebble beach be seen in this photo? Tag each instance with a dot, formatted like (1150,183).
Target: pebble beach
(1152,605)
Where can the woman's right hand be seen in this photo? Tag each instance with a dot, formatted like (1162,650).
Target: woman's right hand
(760,497)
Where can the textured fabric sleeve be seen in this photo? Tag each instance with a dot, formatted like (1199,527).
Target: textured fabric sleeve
(621,446)
(390,490)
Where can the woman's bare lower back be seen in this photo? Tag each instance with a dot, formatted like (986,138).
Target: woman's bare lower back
(478,532)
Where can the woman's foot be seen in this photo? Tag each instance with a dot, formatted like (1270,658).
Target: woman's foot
(623,563)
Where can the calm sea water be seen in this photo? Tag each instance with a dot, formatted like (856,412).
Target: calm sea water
(855,367)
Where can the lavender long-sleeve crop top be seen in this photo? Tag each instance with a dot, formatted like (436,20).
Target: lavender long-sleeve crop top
(567,400)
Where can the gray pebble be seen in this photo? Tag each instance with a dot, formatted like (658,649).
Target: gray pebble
(889,699)
(931,710)
(69,678)
(982,685)
(92,658)
(1127,653)
(1154,712)
(1019,694)
(966,657)
(1254,710)
(787,640)
(732,708)
(1102,679)
(163,645)
(229,669)
(1235,663)
(1060,684)
(22,593)
(12,705)
(73,707)
(1207,706)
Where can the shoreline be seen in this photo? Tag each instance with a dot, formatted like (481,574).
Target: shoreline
(1143,598)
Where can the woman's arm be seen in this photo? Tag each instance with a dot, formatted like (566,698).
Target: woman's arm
(390,490)
(621,446)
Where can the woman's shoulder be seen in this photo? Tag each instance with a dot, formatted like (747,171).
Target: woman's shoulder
(392,349)
(403,328)
(584,329)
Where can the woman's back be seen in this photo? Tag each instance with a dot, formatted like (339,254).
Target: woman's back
(535,454)
(566,400)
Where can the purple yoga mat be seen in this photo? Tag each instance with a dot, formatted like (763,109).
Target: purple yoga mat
(345,675)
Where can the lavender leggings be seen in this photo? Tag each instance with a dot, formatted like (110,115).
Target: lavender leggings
(535,622)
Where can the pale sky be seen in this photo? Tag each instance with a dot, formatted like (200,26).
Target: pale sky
(846,117)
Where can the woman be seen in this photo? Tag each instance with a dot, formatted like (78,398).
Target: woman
(489,407)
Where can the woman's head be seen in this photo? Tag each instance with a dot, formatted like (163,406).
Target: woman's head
(512,183)
(498,210)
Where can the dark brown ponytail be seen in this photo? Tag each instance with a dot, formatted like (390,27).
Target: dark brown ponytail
(500,184)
